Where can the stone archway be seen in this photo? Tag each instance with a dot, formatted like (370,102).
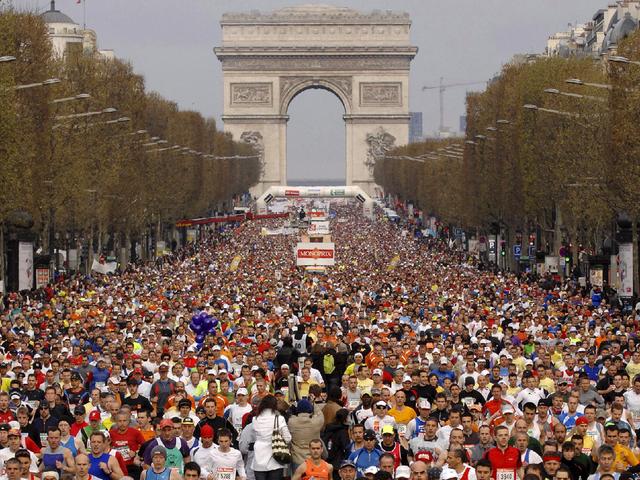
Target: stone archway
(363,58)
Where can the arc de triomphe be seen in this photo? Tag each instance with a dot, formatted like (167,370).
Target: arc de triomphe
(363,58)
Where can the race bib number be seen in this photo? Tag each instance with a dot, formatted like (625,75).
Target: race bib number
(225,473)
(505,474)
(468,401)
(354,403)
(43,440)
(33,404)
(124,451)
(402,428)
(100,384)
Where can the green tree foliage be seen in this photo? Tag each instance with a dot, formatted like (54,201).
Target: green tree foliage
(520,166)
(117,172)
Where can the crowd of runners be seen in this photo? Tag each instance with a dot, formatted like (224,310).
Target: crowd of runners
(404,361)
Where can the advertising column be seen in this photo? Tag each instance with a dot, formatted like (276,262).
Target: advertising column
(25,265)
(625,269)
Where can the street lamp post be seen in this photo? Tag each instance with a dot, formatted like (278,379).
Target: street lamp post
(48,81)
(634,220)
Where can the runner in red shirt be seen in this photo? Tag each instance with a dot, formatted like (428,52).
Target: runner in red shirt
(505,460)
(494,406)
(127,441)
(79,414)
(6,415)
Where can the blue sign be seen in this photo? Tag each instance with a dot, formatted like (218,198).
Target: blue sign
(517,250)
(532,250)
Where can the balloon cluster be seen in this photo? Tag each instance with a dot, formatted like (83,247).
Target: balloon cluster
(202,324)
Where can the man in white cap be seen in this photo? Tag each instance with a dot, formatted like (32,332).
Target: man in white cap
(235,412)
(358,361)
(416,426)
(448,474)
(403,473)
(379,419)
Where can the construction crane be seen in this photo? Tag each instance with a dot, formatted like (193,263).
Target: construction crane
(441,89)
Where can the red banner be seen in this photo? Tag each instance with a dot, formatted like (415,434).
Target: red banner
(315,253)
(227,218)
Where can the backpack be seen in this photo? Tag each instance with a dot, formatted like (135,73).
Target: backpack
(328,364)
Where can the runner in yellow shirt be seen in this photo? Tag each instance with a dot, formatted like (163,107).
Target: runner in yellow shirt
(402,415)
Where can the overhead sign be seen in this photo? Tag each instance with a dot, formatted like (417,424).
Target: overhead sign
(337,192)
(308,254)
(321,228)
(292,193)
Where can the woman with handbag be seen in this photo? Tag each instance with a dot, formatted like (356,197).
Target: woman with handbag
(271,449)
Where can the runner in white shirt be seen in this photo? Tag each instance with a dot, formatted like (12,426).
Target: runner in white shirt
(236,411)
(529,394)
(632,402)
(379,419)
(315,374)
(227,461)
(203,454)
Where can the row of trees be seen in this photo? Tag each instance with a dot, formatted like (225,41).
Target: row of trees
(111,171)
(563,161)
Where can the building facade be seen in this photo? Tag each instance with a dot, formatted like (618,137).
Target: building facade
(601,35)
(415,127)
(66,35)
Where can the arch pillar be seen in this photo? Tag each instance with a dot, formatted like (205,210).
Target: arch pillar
(363,58)
(268,134)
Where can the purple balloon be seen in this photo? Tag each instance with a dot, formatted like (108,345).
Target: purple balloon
(200,338)
(214,322)
(195,328)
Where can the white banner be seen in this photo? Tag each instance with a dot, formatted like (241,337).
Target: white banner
(25,265)
(104,268)
(474,248)
(625,269)
(318,228)
(309,253)
(73,259)
(277,231)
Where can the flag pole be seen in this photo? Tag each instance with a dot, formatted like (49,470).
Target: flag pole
(84,14)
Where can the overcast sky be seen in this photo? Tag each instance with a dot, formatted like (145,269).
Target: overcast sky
(170,42)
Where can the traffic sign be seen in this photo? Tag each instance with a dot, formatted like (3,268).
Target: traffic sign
(532,250)
(517,250)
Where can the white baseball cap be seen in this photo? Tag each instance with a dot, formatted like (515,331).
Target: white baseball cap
(403,472)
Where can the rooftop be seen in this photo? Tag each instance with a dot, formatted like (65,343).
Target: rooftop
(56,16)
